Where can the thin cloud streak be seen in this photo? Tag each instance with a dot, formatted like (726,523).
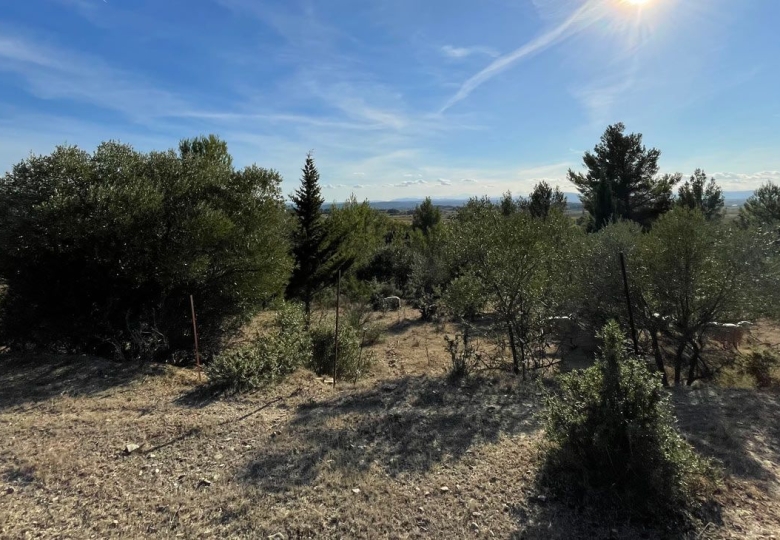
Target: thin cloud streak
(589,13)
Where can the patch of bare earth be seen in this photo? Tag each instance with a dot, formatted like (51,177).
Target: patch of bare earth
(405,454)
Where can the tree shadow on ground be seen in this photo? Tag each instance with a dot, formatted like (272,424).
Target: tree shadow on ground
(557,520)
(407,425)
(402,325)
(27,379)
(737,427)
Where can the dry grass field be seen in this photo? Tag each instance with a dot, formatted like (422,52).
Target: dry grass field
(403,454)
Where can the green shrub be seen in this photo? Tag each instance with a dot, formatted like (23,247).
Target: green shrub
(464,298)
(612,438)
(760,366)
(353,362)
(266,359)
(101,251)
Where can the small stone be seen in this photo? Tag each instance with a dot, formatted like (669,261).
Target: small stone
(541,498)
(130,448)
(474,525)
(277,536)
(444,489)
(476,514)
(9,491)
(204,482)
(152,456)
(356,490)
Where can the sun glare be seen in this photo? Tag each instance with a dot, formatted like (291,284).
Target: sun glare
(637,2)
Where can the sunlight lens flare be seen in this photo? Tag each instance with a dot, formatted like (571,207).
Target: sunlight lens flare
(637,2)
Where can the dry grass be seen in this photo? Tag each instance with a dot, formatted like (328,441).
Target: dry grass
(310,461)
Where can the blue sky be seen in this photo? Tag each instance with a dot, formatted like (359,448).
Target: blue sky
(400,98)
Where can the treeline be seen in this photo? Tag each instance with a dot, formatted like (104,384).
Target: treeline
(100,252)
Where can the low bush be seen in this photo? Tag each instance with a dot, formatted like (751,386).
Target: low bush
(463,354)
(612,438)
(353,361)
(760,365)
(267,358)
(464,298)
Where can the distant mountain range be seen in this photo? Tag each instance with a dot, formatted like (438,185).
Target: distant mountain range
(732,198)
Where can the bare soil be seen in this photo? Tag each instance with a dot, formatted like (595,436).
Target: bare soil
(404,454)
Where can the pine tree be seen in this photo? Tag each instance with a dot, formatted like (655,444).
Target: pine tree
(696,193)
(426,216)
(313,251)
(628,170)
(544,199)
(763,207)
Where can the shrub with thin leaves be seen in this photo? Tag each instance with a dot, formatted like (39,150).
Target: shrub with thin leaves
(612,438)
(760,365)
(267,358)
(353,361)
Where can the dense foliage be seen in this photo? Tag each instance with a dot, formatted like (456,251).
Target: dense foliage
(101,251)
(698,194)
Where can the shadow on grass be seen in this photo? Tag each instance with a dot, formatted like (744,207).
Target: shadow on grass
(738,427)
(407,425)
(34,378)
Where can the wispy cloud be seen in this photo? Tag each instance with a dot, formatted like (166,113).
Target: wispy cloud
(53,73)
(586,15)
(462,52)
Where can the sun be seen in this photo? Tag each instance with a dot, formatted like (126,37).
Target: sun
(637,2)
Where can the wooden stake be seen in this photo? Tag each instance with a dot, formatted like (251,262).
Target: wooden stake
(336,351)
(628,301)
(195,334)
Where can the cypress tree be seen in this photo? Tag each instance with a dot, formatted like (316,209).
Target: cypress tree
(313,250)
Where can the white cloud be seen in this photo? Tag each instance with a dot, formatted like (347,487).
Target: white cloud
(445,181)
(462,52)
(358,186)
(745,181)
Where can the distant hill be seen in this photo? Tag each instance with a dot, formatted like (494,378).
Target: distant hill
(737,198)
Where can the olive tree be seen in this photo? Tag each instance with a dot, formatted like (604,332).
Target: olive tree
(520,263)
(695,272)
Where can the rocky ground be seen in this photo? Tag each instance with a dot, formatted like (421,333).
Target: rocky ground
(93,449)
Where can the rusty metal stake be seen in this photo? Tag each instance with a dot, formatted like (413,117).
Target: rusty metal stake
(628,301)
(338,305)
(195,334)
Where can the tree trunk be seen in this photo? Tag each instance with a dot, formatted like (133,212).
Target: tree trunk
(515,361)
(694,363)
(659,359)
(678,360)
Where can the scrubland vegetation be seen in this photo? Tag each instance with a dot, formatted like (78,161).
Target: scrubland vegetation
(467,384)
